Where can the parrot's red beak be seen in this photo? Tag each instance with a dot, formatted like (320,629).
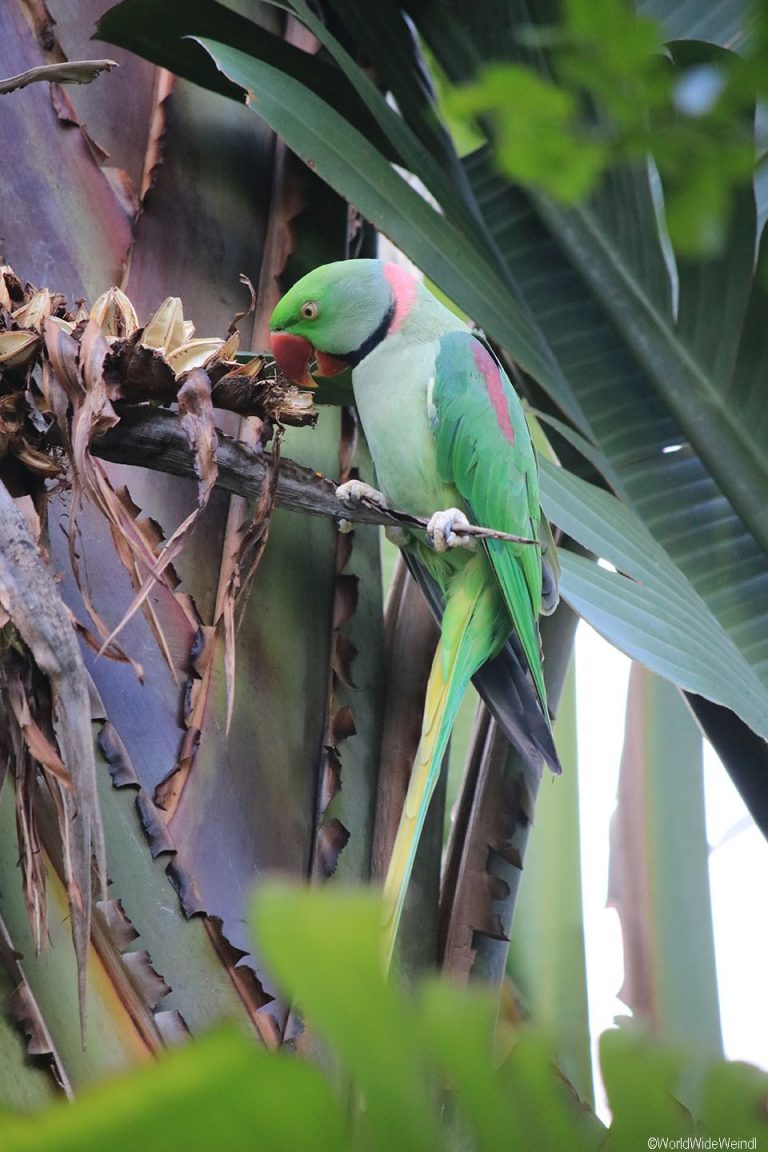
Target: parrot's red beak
(293,355)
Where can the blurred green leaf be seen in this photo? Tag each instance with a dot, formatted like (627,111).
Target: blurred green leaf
(424,1067)
(524,1103)
(733,1102)
(640,1079)
(607,97)
(549,1115)
(222,1092)
(324,947)
(536,144)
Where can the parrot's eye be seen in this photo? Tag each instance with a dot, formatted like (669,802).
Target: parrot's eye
(309,310)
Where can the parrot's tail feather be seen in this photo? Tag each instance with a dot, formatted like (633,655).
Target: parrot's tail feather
(438,719)
(459,654)
(505,686)
(503,683)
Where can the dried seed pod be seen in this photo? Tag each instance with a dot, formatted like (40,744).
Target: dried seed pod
(11,292)
(34,313)
(194,354)
(115,315)
(17,349)
(166,330)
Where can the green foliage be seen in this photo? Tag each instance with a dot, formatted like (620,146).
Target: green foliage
(536,130)
(612,96)
(212,1094)
(422,1064)
(646,608)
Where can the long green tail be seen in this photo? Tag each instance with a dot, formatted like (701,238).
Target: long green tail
(473,627)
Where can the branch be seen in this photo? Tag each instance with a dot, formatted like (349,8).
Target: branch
(154,439)
(68,72)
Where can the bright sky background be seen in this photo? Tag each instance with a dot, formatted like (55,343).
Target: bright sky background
(738,866)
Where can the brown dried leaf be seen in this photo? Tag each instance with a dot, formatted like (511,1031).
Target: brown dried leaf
(116,754)
(134,372)
(31,599)
(7,279)
(330,843)
(151,986)
(168,792)
(117,923)
(61,385)
(330,779)
(172,1027)
(186,889)
(123,187)
(343,657)
(81,381)
(230,347)
(196,416)
(245,389)
(345,601)
(155,827)
(343,724)
(38,745)
(252,305)
(16,670)
(63,106)
(240,567)
(38,462)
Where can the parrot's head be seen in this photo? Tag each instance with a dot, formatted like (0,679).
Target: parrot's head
(337,314)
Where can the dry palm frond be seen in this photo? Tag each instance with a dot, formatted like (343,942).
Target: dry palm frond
(66,376)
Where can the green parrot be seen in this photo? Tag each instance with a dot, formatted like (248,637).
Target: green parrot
(450,444)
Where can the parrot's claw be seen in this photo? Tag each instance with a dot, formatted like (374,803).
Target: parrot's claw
(441,534)
(354,492)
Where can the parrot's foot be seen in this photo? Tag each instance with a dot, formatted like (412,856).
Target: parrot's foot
(353,493)
(441,531)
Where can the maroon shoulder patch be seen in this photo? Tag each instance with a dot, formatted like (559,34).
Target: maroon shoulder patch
(492,375)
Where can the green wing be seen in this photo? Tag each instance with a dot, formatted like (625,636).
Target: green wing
(484,449)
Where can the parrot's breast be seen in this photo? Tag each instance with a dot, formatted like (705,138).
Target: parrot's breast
(392,386)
